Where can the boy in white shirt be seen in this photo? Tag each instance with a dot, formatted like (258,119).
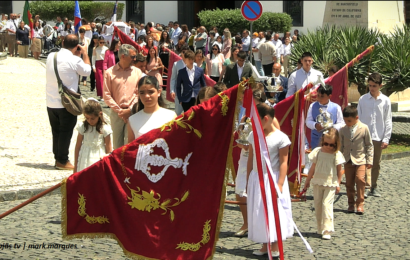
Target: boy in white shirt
(374,110)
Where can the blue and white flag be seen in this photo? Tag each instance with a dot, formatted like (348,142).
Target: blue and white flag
(114,13)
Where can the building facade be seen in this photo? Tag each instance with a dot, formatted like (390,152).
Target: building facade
(306,15)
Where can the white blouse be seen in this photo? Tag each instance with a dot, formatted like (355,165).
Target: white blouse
(98,54)
(142,122)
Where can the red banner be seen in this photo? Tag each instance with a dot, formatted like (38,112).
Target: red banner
(291,120)
(162,195)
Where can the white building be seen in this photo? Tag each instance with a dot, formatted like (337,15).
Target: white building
(306,15)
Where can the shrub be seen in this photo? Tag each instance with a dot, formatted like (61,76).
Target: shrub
(233,19)
(49,10)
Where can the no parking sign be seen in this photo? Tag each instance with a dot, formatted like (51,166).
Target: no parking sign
(251,10)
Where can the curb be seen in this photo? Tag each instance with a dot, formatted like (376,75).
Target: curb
(401,119)
(392,156)
(25,194)
(29,193)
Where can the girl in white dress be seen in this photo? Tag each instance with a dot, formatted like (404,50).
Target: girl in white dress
(278,146)
(241,176)
(326,175)
(151,113)
(94,136)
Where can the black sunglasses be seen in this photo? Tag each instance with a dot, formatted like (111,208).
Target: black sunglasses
(133,57)
(102,42)
(214,49)
(327,144)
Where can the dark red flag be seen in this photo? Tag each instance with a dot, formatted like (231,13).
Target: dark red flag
(162,195)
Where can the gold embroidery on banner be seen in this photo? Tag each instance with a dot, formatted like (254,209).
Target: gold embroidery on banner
(225,102)
(89,219)
(122,160)
(145,201)
(196,246)
(182,123)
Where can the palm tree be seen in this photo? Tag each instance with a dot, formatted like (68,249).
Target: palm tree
(394,60)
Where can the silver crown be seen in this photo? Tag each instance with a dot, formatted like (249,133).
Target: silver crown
(274,88)
(324,119)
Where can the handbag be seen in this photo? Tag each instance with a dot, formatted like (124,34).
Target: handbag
(71,100)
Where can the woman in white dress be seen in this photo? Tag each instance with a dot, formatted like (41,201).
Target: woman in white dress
(151,113)
(278,146)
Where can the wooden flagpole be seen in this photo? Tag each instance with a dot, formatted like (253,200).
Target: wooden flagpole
(30,200)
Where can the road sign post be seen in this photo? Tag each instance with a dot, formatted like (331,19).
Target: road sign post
(251,11)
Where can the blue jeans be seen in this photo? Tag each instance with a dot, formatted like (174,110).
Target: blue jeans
(258,65)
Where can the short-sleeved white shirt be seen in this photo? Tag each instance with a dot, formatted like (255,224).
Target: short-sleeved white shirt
(275,141)
(142,122)
(69,68)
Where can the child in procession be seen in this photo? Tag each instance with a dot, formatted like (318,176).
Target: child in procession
(323,103)
(326,172)
(94,136)
(357,149)
(278,146)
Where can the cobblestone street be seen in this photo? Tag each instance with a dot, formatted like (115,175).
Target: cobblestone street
(381,233)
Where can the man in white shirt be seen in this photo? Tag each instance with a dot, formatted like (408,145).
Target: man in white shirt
(305,75)
(11,29)
(278,44)
(267,55)
(69,67)
(285,55)
(246,41)
(255,50)
(3,32)
(177,32)
(374,110)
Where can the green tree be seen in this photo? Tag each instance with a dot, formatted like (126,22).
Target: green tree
(233,19)
(49,10)
(331,45)
(394,60)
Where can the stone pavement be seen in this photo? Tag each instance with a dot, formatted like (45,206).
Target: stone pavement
(381,233)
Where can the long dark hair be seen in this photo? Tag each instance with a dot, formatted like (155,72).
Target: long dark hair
(92,107)
(39,25)
(91,46)
(113,44)
(95,36)
(99,39)
(66,25)
(149,54)
(167,40)
(148,80)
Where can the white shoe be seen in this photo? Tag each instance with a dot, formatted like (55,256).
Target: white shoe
(258,252)
(326,235)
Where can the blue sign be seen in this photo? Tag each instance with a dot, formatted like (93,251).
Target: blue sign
(251,10)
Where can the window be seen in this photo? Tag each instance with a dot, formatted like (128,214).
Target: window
(295,10)
(135,11)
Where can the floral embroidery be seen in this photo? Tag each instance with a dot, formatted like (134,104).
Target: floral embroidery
(89,219)
(145,201)
(182,123)
(196,246)
(225,102)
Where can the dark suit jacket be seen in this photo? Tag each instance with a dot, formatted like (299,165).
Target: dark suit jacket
(231,74)
(281,96)
(184,87)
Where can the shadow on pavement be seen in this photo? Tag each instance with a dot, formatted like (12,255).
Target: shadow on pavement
(44,166)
